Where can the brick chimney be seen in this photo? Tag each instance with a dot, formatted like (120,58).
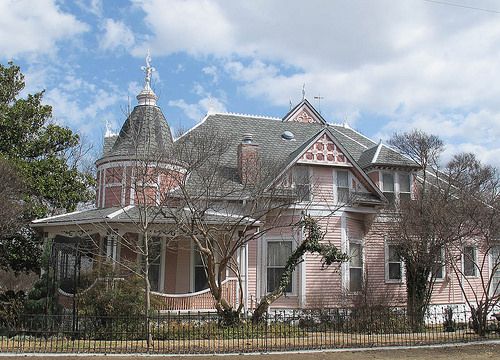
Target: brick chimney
(248,154)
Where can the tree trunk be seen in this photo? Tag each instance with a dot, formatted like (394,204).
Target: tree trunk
(417,282)
(311,244)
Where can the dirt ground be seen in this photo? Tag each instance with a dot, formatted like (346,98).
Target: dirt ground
(469,352)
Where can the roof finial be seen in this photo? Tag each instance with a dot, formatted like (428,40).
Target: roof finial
(148,69)
(303,91)
(147,95)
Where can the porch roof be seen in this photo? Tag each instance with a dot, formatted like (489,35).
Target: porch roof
(134,214)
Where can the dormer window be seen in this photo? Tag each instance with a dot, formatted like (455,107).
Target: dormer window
(396,186)
(404,187)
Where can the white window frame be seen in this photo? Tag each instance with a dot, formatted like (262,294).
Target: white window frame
(294,291)
(309,175)
(193,267)
(359,242)
(476,270)
(443,266)
(491,265)
(336,187)
(386,265)
(397,187)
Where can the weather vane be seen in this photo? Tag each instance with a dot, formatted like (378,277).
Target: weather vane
(148,69)
(303,91)
(319,98)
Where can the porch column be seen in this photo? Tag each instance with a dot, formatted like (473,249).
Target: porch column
(163,257)
(243,267)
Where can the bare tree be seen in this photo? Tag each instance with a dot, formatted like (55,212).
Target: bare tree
(475,260)
(423,227)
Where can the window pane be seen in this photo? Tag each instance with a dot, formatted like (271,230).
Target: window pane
(343,195)
(393,254)
(495,263)
(200,279)
(197,259)
(395,271)
(342,179)
(469,261)
(355,279)
(278,252)
(439,266)
(302,182)
(404,183)
(388,182)
(356,258)
(273,279)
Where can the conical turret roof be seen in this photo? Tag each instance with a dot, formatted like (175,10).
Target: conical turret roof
(145,134)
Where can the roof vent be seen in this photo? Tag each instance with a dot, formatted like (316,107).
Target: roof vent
(288,135)
(247,139)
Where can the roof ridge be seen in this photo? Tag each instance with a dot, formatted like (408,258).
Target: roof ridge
(246,115)
(377,153)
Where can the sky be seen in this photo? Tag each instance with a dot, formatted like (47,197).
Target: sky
(380,65)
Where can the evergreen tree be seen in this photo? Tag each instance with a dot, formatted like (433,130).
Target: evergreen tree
(40,152)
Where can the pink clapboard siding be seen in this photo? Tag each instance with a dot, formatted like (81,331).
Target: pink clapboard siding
(378,290)
(183,278)
(323,285)
(322,180)
(171,267)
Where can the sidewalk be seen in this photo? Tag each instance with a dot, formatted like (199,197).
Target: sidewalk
(473,351)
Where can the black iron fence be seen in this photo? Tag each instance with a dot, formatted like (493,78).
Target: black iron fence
(192,333)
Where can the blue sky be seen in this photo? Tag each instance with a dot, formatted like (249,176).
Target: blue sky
(380,65)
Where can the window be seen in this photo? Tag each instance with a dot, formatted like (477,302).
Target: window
(342,186)
(439,266)
(154,264)
(469,258)
(278,253)
(110,244)
(302,182)
(394,268)
(388,187)
(404,187)
(200,274)
(495,268)
(355,266)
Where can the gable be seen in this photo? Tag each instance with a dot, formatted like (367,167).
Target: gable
(305,113)
(324,152)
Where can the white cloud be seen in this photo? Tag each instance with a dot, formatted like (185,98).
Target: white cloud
(406,63)
(196,111)
(212,72)
(116,35)
(35,27)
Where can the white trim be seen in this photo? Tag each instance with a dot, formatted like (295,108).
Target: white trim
(118,212)
(303,274)
(474,262)
(56,216)
(377,153)
(362,255)
(163,253)
(386,265)
(344,248)
(264,273)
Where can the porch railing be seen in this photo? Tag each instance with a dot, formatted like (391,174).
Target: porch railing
(200,300)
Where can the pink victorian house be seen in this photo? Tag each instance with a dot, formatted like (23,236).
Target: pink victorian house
(334,161)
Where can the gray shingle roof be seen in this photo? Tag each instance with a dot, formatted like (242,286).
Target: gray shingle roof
(391,158)
(145,132)
(366,157)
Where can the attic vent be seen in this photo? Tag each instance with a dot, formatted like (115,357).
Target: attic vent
(288,135)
